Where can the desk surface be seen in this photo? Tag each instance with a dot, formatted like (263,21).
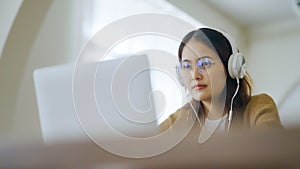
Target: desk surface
(268,149)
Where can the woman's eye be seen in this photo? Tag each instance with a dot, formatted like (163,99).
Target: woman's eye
(186,65)
(201,63)
(205,62)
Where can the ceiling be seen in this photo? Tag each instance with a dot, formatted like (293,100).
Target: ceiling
(257,12)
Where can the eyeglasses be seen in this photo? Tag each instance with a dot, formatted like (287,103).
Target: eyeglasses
(202,64)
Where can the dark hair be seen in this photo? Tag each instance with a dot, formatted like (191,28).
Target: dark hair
(216,41)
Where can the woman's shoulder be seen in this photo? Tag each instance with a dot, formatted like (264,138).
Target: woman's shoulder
(261,110)
(183,111)
(261,99)
(260,102)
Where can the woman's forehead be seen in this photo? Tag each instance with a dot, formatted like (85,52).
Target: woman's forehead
(195,49)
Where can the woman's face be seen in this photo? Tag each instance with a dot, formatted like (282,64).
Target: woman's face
(207,82)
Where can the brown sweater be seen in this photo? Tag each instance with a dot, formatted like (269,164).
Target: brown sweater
(260,112)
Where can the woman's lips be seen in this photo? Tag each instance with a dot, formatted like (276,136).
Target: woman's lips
(199,87)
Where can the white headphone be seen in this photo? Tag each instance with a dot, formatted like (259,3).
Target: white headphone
(236,69)
(236,61)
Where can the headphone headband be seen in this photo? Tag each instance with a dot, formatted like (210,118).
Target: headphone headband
(236,62)
(227,36)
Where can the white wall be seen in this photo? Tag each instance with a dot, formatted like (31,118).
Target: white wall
(273,62)
(212,17)
(43,34)
(273,58)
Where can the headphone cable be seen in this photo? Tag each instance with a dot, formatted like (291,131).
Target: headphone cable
(231,104)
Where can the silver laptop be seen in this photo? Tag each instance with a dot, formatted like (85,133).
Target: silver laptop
(58,114)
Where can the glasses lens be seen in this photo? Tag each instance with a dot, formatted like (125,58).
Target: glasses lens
(185,65)
(203,64)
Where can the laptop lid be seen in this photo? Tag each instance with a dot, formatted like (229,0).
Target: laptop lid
(122,90)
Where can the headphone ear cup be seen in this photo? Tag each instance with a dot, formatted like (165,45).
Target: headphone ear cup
(236,66)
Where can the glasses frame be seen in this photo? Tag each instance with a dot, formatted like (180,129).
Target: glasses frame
(201,69)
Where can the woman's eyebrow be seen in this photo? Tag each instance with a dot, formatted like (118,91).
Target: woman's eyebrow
(206,56)
(186,60)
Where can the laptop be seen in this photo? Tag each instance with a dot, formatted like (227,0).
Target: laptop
(121,91)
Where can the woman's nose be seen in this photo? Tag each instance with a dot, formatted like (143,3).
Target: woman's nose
(196,75)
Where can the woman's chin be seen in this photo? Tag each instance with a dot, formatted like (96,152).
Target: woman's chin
(199,96)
